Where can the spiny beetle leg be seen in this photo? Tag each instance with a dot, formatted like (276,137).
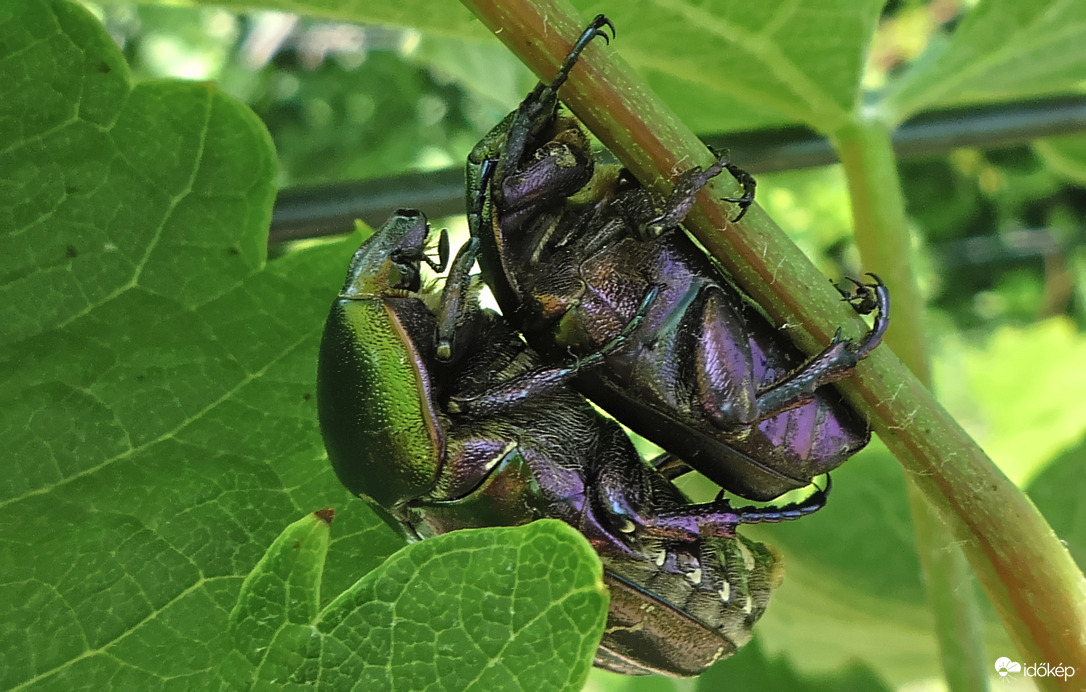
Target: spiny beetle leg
(718,518)
(836,362)
(458,282)
(687,185)
(594,29)
(535,112)
(543,381)
(745,180)
(748,183)
(680,200)
(455,298)
(789,512)
(868,298)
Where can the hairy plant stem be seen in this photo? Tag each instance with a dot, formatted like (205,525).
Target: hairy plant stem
(1027,573)
(882,234)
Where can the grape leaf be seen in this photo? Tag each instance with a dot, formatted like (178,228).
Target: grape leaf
(487,609)
(278,600)
(758,63)
(157,377)
(1056,491)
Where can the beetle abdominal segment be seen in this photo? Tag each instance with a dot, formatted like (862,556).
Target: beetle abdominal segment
(748,557)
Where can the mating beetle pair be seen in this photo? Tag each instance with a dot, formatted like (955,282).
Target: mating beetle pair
(685,589)
(440,416)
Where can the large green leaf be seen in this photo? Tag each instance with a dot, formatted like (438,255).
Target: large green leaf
(750,63)
(156,376)
(445,18)
(1054,490)
(1003,49)
(156,380)
(721,64)
(1004,392)
(471,610)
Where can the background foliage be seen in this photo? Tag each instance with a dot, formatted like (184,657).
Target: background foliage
(156,370)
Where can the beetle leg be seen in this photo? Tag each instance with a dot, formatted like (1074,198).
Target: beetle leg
(748,183)
(542,381)
(723,385)
(594,29)
(557,170)
(795,510)
(638,501)
(745,180)
(455,299)
(540,108)
(679,201)
(720,520)
(682,196)
(450,312)
(836,362)
(868,298)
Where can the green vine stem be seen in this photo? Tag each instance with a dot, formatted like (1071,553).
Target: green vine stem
(882,233)
(1038,591)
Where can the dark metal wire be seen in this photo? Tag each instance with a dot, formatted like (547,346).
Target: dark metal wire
(331,209)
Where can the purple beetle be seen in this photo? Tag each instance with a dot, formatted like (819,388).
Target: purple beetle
(569,248)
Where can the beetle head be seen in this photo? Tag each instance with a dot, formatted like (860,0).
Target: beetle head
(389,259)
